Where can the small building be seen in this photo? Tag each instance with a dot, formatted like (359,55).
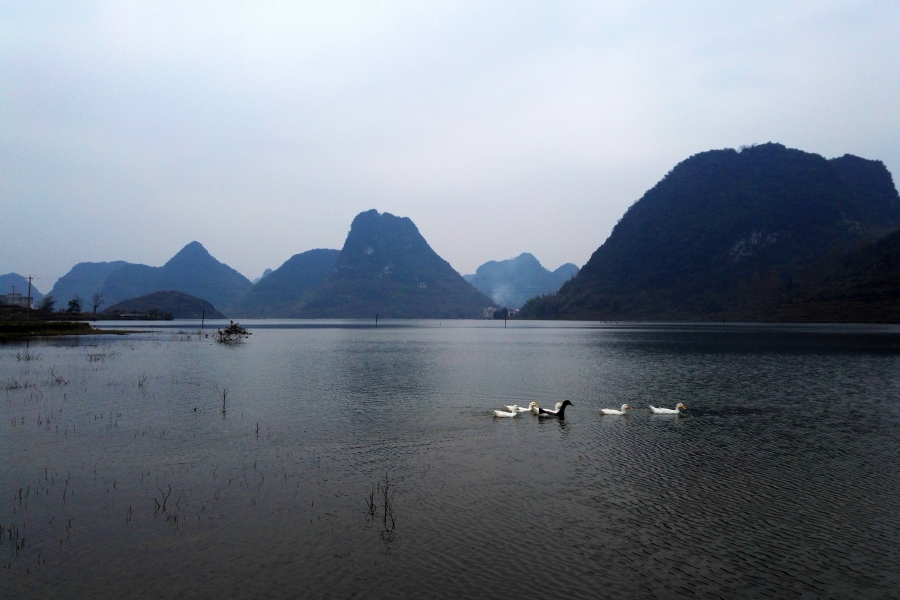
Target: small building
(15,299)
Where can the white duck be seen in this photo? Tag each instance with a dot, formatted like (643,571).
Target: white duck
(668,411)
(511,413)
(612,411)
(539,411)
(520,409)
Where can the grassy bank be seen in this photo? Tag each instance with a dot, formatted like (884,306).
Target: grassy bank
(18,329)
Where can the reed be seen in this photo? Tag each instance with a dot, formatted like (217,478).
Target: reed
(370,502)
(27,355)
(57,379)
(385,491)
(161,506)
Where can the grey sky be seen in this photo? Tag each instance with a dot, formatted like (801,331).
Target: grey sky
(261,129)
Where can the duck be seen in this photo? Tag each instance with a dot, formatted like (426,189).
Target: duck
(668,411)
(560,412)
(517,408)
(511,413)
(612,411)
(538,410)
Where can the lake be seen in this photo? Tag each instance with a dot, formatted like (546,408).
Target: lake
(162,465)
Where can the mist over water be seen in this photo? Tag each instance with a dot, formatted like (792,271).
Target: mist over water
(123,477)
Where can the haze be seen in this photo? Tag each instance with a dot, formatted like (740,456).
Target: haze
(261,129)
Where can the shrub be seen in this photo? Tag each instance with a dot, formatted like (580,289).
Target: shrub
(232,334)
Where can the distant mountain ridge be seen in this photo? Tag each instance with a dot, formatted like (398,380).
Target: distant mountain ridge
(696,245)
(265,274)
(512,282)
(284,291)
(387,267)
(84,280)
(192,271)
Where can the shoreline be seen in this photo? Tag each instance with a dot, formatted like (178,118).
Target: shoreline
(32,329)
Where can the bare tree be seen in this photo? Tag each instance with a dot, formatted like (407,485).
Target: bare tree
(97,301)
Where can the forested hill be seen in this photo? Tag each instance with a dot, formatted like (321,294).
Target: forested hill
(387,267)
(861,287)
(697,244)
(177,304)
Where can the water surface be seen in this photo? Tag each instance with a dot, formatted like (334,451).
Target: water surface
(125,473)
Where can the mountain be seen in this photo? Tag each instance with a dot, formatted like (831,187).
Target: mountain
(83,280)
(566,272)
(265,274)
(387,267)
(511,282)
(13,282)
(722,226)
(283,291)
(178,304)
(192,271)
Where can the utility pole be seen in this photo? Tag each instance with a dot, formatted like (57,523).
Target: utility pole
(29,297)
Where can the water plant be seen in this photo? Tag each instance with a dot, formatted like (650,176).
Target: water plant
(27,355)
(385,491)
(161,506)
(57,379)
(233,334)
(370,502)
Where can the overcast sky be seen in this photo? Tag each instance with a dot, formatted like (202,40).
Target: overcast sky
(128,129)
